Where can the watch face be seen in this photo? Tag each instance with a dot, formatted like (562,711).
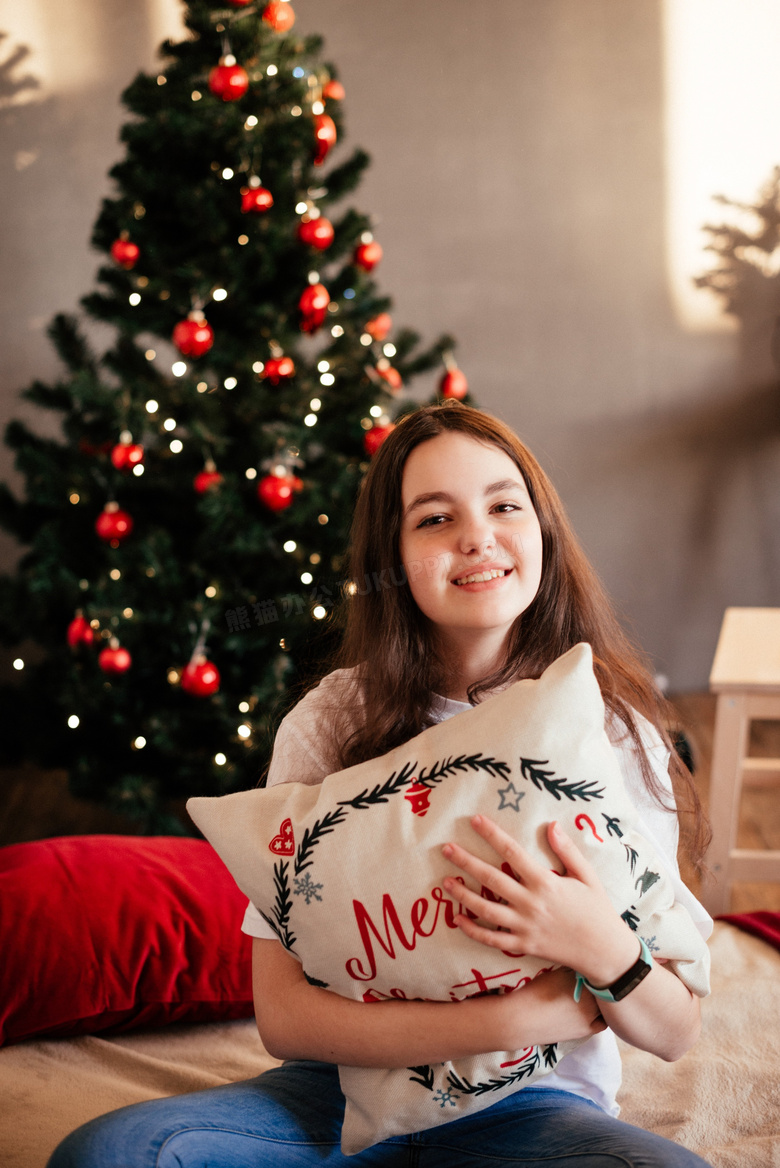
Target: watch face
(630,980)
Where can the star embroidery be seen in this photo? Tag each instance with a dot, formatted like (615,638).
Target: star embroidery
(510,797)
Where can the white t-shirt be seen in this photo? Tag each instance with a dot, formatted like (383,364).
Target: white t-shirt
(593,1070)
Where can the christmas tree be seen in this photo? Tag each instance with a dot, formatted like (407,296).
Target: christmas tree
(184,540)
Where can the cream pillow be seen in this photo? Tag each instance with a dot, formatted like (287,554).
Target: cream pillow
(349,876)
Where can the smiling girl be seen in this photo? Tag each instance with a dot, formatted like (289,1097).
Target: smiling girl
(493,589)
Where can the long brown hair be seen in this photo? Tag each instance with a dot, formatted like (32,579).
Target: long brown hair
(389,643)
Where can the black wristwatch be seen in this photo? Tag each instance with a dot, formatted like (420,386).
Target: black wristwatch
(623,986)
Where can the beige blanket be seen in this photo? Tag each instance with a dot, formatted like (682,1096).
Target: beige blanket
(722,1100)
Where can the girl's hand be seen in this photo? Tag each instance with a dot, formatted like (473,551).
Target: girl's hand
(567,919)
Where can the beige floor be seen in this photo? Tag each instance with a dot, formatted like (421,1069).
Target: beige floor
(36,804)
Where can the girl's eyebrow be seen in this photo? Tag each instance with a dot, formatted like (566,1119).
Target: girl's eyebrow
(445,497)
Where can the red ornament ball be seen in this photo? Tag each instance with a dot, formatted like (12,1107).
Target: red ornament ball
(113,524)
(316,233)
(388,374)
(374,438)
(200,677)
(208,478)
(79,632)
(279,14)
(278,369)
(368,255)
(256,199)
(454,384)
(379,326)
(125,252)
(276,491)
(126,455)
(194,336)
(313,306)
(228,80)
(333,90)
(324,137)
(114,659)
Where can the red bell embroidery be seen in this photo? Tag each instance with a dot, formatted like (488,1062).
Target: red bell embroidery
(419,798)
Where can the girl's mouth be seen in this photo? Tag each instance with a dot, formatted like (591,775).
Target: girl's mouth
(482,577)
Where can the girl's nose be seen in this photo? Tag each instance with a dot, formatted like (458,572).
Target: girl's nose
(477,540)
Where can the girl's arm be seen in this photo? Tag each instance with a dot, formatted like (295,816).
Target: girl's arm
(570,920)
(298,1020)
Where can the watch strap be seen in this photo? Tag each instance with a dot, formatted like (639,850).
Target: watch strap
(622,986)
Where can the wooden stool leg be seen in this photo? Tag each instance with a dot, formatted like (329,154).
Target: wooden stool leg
(729,749)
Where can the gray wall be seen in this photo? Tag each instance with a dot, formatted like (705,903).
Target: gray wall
(518,189)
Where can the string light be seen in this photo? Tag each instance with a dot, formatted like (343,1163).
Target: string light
(162,79)
(74,498)
(243,239)
(139,743)
(323,366)
(349,293)
(296,111)
(366,339)
(227,172)
(202,386)
(152,406)
(282,644)
(315,404)
(389,350)
(176,446)
(174,677)
(314,277)
(289,545)
(272,70)
(315,558)
(258,367)
(250,472)
(310,420)
(337,331)
(179,368)
(244,731)
(220,759)
(196,95)
(317,107)
(127,613)
(301,208)
(138,469)
(243,707)
(169,424)
(250,123)
(115,574)
(327,379)
(83,585)
(211,592)
(230,383)
(18,663)
(351,588)
(298,71)
(73,721)
(221,294)
(150,354)
(134,298)
(375,411)
(306,578)
(319,612)
(322,520)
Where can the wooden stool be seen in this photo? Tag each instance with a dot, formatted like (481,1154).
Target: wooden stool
(746,677)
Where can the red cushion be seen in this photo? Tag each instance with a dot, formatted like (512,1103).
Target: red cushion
(108,933)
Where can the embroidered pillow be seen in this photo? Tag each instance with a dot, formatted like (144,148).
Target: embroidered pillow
(349,875)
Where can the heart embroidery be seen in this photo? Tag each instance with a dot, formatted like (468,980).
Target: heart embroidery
(283,844)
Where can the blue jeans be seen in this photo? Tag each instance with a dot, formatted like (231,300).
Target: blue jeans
(290,1117)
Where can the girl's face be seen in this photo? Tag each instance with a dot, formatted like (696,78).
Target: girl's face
(470,539)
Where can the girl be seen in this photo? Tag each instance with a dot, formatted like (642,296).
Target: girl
(468,578)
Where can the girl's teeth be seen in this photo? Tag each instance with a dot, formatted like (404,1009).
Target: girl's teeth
(481,577)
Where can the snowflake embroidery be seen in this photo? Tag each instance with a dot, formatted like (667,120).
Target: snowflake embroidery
(445,1097)
(651,944)
(305,887)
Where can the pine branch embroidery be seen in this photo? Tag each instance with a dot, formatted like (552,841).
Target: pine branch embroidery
(544,781)
(550,1055)
(525,1069)
(313,835)
(423,1076)
(282,907)
(382,791)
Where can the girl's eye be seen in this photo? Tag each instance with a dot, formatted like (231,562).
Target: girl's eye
(431,521)
(504,507)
